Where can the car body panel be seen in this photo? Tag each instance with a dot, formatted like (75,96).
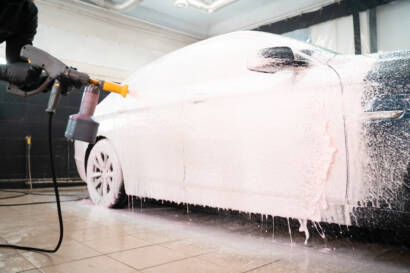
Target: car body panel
(241,143)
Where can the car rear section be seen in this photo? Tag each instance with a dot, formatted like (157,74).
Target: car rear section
(378,137)
(386,102)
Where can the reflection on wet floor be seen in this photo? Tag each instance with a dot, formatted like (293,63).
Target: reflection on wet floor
(152,236)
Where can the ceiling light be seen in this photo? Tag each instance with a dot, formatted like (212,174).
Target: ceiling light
(181,3)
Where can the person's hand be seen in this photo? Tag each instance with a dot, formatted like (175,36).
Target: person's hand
(22,74)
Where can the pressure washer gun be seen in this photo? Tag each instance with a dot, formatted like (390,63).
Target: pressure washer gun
(60,78)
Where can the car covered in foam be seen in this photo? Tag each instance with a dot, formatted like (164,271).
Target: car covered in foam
(259,123)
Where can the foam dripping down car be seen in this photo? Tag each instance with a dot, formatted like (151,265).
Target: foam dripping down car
(259,123)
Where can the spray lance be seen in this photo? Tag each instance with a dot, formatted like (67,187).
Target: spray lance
(62,78)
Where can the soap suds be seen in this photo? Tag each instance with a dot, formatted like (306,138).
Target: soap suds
(303,228)
(323,158)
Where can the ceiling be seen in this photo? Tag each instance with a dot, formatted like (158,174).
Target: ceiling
(242,14)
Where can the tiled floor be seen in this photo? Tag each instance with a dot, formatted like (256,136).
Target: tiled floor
(164,239)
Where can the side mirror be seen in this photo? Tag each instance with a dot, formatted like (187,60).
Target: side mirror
(272,59)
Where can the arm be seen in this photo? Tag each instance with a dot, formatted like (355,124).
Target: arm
(27,31)
(18,71)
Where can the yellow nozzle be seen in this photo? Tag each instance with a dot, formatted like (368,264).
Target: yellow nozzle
(117,88)
(28,140)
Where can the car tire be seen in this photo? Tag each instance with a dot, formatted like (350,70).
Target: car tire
(104,176)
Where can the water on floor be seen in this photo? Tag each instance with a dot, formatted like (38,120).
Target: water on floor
(151,236)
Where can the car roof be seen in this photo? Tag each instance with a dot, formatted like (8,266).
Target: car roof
(181,62)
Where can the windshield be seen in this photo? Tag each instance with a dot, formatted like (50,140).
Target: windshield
(324,49)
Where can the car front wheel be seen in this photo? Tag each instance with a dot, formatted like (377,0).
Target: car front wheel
(104,176)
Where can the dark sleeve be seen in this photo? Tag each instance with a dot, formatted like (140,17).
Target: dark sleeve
(25,35)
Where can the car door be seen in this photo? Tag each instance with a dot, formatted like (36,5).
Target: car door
(269,143)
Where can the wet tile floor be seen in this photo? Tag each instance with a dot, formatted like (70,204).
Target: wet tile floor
(161,238)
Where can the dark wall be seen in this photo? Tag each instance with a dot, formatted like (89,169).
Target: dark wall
(332,12)
(327,13)
(20,117)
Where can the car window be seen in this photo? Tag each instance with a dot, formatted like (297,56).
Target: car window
(274,59)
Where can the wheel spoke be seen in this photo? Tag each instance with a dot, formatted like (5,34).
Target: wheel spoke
(97,182)
(110,180)
(104,188)
(100,190)
(100,161)
(107,162)
(96,174)
(98,186)
(96,163)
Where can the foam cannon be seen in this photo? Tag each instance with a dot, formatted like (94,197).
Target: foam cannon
(81,126)
(61,79)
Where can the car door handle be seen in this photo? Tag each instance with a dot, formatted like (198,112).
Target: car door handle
(384,115)
(199,97)
(198,101)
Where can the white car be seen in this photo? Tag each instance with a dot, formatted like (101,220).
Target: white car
(258,123)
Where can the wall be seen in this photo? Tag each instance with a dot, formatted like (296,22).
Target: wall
(27,117)
(102,43)
(336,35)
(392,21)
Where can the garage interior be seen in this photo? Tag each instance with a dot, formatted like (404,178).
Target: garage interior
(110,40)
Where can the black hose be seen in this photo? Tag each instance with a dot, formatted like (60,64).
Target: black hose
(60,217)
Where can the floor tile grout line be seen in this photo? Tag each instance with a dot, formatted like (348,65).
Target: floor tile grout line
(121,262)
(64,241)
(203,253)
(20,255)
(205,260)
(67,262)
(37,269)
(173,261)
(162,244)
(261,266)
(78,260)
(84,245)
(124,250)
(258,267)
(34,266)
